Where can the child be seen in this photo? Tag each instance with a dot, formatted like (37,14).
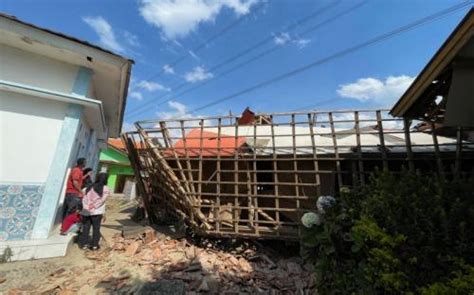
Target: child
(71,223)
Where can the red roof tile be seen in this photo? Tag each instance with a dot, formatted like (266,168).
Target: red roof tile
(210,143)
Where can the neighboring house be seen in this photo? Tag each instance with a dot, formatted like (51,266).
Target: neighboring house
(60,99)
(443,92)
(115,161)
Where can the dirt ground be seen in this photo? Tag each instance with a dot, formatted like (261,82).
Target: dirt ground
(157,262)
(38,276)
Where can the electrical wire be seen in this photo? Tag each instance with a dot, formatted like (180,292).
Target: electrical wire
(339,54)
(206,43)
(248,50)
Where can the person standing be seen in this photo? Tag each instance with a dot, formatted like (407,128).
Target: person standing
(93,211)
(74,194)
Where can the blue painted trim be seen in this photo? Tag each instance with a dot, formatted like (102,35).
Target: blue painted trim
(43,92)
(83,81)
(57,173)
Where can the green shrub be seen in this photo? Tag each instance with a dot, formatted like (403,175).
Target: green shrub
(400,233)
(7,255)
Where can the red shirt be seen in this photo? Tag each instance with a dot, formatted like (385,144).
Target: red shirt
(69,221)
(76,174)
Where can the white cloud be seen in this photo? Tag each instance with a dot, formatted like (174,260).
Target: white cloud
(197,74)
(168,69)
(151,86)
(126,127)
(285,38)
(366,89)
(131,39)
(178,107)
(177,111)
(137,95)
(282,39)
(177,18)
(301,43)
(105,32)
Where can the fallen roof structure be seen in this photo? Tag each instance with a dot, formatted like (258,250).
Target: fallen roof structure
(257,180)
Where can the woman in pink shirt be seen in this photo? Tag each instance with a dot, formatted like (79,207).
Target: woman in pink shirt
(93,204)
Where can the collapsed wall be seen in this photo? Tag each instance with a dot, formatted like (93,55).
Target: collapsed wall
(256,175)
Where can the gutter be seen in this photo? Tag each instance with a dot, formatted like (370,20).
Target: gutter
(126,83)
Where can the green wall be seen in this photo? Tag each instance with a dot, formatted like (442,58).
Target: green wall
(111,155)
(117,164)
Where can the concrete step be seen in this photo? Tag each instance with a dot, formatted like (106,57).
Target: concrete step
(54,246)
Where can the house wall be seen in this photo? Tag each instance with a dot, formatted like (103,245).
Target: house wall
(111,155)
(28,124)
(30,131)
(122,167)
(20,66)
(114,171)
(41,140)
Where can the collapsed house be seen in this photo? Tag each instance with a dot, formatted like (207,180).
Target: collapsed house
(257,174)
(226,176)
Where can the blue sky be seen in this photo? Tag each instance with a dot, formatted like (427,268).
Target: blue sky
(158,33)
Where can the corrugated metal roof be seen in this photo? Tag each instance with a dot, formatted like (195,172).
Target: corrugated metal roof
(263,143)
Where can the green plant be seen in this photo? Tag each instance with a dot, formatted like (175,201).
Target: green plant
(400,233)
(7,255)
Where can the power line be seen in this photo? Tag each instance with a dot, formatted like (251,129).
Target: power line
(207,42)
(248,50)
(265,53)
(341,53)
(240,54)
(317,104)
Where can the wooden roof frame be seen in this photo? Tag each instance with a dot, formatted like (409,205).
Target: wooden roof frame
(436,66)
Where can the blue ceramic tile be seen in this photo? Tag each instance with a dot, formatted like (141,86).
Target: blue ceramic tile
(19,205)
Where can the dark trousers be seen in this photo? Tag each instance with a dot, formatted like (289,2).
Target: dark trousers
(72,202)
(87,221)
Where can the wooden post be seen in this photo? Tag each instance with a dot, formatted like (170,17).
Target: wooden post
(457,165)
(218,175)
(199,196)
(439,161)
(382,140)
(255,190)
(188,165)
(295,171)
(359,148)
(312,122)
(275,175)
(236,179)
(406,128)
(336,149)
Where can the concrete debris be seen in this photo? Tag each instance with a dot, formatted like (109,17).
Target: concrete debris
(150,263)
(204,268)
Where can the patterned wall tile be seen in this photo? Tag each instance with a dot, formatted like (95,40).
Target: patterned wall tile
(19,205)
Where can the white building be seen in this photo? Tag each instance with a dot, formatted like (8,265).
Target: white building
(60,99)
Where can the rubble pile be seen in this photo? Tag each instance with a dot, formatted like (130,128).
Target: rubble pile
(146,262)
(205,268)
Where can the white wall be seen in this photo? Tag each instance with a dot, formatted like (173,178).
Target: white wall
(29,132)
(23,67)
